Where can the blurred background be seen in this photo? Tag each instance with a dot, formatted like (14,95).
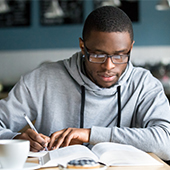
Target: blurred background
(37,31)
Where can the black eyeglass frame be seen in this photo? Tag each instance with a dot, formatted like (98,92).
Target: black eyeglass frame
(107,56)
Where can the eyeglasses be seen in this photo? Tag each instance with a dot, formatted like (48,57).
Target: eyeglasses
(101,58)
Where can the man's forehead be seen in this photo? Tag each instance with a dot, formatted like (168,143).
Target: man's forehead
(96,32)
(98,37)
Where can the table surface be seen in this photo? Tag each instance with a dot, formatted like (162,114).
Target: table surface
(164,166)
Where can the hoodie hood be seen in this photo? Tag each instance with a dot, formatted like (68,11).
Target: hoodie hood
(74,66)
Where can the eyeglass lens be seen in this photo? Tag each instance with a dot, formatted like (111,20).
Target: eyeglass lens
(102,58)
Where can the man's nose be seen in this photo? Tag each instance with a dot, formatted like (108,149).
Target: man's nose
(108,64)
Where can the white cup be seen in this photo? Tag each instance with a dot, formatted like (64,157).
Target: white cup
(13,153)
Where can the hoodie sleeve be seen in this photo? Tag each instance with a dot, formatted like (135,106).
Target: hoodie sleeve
(150,127)
(12,110)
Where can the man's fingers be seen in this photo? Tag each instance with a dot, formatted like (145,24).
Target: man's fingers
(64,139)
(54,137)
(36,140)
(46,139)
(69,136)
(28,135)
(60,138)
(35,146)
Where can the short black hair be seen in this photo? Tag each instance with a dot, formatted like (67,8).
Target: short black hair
(107,19)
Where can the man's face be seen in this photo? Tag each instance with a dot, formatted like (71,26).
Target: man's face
(106,74)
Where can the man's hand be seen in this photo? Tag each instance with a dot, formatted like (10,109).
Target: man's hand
(37,141)
(69,136)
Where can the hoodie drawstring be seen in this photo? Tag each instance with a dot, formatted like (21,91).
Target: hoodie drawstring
(119,105)
(83,104)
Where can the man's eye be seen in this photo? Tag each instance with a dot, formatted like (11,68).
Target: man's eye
(97,55)
(100,55)
(117,57)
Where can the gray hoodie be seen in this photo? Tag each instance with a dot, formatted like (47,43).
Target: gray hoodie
(52,94)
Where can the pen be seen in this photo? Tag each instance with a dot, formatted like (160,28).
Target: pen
(31,126)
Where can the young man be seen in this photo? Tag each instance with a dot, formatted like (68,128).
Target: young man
(95,96)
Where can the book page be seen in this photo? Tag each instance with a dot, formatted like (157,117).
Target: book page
(37,154)
(65,154)
(114,154)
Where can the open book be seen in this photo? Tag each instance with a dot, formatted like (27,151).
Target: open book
(111,154)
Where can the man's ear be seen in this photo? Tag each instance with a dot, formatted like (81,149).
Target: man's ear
(132,44)
(81,44)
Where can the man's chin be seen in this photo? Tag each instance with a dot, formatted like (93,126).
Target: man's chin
(107,85)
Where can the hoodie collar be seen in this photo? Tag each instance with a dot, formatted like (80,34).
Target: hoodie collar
(75,67)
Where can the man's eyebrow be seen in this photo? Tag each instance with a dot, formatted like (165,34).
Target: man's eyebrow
(96,50)
(122,51)
(115,52)
(104,52)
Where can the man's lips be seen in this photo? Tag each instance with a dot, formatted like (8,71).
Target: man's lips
(107,77)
